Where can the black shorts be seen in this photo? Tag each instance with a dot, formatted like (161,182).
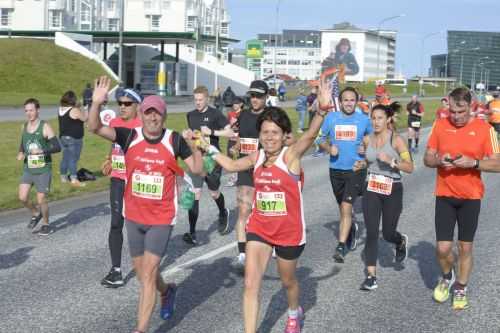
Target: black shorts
(284,252)
(245,178)
(451,211)
(212,179)
(347,185)
(411,122)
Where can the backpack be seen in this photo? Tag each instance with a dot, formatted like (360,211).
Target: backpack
(84,175)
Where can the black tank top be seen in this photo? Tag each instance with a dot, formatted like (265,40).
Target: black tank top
(247,122)
(69,126)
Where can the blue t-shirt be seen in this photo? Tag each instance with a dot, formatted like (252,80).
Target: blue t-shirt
(346,132)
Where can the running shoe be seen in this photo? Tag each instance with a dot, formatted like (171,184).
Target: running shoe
(370,283)
(340,252)
(190,238)
(45,230)
(460,301)
(294,325)
(273,255)
(240,263)
(34,221)
(168,302)
(442,291)
(352,239)
(223,227)
(402,249)
(114,279)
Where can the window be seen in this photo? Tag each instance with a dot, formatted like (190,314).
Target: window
(148,4)
(191,23)
(5,17)
(85,13)
(112,6)
(113,24)
(55,19)
(306,62)
(223,29)
(310,53)
(294,62)
(281,62)
(155,22)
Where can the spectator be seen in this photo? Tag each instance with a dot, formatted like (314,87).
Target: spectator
(232,149)
(71,118)
(87,96)
(228,97)
(217,100)
(494,110)
(301,108)
(443,111)
(272,99)
(282,91)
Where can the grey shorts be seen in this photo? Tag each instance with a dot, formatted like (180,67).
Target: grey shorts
(41,181)
(151,238)
(212,179)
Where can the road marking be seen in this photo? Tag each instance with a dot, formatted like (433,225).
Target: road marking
(206,256)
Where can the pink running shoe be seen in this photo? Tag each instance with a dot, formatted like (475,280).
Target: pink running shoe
(294,325)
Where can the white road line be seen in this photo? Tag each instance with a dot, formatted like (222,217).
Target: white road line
(206,256)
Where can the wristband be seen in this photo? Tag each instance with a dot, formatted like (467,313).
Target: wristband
(394,163)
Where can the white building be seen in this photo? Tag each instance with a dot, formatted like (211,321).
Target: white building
(375,53)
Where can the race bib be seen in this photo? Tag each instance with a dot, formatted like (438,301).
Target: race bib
(248,145)
(118,163)
(346,132)
(36,161)
(380,184)
(147,186)
(415,124)
(271,203)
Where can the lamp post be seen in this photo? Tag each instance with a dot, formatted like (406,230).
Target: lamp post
(473,73)
(217,26)
(422,50)
(378,38)
(120,40)
(276,41)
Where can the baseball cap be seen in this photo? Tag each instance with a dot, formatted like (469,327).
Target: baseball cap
(154,102)
(237,100)
(130,93)
(258,87)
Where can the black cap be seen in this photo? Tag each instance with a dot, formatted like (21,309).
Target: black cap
(238,100)
(258,87)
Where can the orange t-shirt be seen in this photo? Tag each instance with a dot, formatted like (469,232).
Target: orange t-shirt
(495,111)
(442,112)
(476,140)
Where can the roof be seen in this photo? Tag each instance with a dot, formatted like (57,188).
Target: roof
(389,34)
(133,37)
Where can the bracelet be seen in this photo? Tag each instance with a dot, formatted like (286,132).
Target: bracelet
(394,163)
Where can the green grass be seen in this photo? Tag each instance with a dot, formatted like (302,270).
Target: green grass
(39,68)
(93,153)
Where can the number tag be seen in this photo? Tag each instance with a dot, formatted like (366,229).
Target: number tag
(346,132)
(271,203)
(380,184)
(415,124)
(248,145)
(147,186)
(36,161)
(118,163)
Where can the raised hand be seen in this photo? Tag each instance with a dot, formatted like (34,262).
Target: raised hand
(101,89)
(324,93)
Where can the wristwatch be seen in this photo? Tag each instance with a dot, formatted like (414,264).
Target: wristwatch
(476,164)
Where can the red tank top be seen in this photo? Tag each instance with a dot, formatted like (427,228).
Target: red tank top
(151,193)
(117,156)
(277,213)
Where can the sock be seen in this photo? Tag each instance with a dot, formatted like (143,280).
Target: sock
(416,142)
(409,143)
(193,216)
(241,247)
(293,313)
(220,204)
(448,275)
(341,244)
(459,286)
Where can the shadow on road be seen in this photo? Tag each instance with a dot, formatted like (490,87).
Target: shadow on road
(204,281)
(80,215)
(308,297)
(425,255)
(15,258)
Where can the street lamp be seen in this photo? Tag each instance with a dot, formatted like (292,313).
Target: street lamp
(422,49)
(473,72)
(120,40)
(276,41)
(378,38)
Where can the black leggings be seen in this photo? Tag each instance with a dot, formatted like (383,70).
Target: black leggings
(390,207)
(115,238)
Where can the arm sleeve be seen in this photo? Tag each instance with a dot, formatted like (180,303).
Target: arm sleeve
(181,148)
(421,109)
(220,120)
(54,146)
(432,142)
(188,121)
(122,136)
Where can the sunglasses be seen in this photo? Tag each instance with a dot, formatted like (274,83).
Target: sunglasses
(120,103)
(256,95)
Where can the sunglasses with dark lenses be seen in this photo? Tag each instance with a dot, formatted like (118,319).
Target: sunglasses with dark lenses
(256,95)
(120,103)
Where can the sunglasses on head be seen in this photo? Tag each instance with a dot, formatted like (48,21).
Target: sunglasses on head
(120,103)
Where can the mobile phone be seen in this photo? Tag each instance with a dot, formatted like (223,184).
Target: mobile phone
(451,160)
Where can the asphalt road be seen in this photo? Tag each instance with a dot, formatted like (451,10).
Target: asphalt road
(52,284)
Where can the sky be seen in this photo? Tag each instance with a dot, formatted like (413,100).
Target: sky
(422,17)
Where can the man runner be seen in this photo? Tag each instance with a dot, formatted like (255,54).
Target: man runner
(38,142)
(212,123)
(150,196)
(415,111)
(456,147)
(342,135)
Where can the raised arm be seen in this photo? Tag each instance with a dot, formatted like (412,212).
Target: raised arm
(101,89)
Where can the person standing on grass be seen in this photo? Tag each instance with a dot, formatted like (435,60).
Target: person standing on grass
(38,142)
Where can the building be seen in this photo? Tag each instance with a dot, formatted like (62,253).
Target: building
(438,65)
(374,52)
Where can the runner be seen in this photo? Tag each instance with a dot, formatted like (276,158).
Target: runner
(248,143)
(150,197)
(128,102)
(415,111)
(444,110)
(345,131)
(381,97)
(213,123)
(38,142)
(232,117)
(277,218)
(494,108)
(386,155)
(456,147)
